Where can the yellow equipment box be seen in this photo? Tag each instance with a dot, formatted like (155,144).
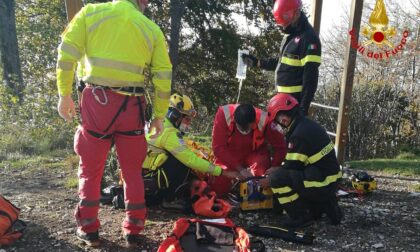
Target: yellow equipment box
(254,197)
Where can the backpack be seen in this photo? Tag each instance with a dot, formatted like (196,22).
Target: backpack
(10,227)
(215,235)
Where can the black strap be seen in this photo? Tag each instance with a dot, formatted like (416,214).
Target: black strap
(108,136)
(123,107)
(142,120)
(99,135)
(131,132)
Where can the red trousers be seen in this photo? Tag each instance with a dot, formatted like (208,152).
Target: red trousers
(258,161)
(93,151)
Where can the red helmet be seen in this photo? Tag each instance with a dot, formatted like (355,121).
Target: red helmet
(285,10)
(280,102)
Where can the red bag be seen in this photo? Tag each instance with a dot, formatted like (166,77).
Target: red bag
(10,227)
(205,203)
(191,235)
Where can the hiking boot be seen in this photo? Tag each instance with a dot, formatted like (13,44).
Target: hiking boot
(132,240)
(90,239)
(177,205)
(333,211)
(299,222)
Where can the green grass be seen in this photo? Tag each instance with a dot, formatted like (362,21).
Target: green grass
(72,183)
(404,164)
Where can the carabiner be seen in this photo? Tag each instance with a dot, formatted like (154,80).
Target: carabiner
(97,97)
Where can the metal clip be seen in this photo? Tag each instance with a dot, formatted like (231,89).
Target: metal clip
(97,97)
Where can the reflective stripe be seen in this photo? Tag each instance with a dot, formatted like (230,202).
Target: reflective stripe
(88,221)
(115,64)
(153,148)
(211,168)
(280,190)
(149,44)
(227,114)
(99,22)
(163,95)
(297,157)
(311,58)
(178,150)
(112,83)
(285,200)
(135,221)
(95,12)
(167,75)
(316,157)
(65,66)
(290,61)
(301,62)
(89,203)
(130,206)
(290,89)
(70,49)
(328,180)
(261,123)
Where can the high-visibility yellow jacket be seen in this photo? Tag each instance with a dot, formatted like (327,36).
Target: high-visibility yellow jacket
(170,140)
(117,42)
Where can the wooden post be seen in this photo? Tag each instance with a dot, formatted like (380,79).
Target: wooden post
(347,82)
(72,7)
(316,14)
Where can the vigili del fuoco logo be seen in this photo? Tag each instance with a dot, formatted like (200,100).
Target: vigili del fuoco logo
(378,34)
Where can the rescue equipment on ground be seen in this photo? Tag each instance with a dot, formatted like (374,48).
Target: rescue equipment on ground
(192,235)
(253,196)
(113,194)
(11,228)
(283,233)
(205,202)
(363,182)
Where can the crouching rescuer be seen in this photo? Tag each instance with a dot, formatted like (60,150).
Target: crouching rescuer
(170,160)
(116,42)
(306,183)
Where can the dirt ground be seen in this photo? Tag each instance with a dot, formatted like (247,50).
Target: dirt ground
(387,220)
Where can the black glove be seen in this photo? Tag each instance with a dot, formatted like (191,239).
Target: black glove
(250,60)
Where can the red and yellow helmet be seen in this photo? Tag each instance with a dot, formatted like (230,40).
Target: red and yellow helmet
(284,11)
(280,102)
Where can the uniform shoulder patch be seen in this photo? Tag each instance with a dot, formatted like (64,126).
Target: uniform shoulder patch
(312,47)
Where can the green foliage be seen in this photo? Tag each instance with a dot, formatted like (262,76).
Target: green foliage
(34,127)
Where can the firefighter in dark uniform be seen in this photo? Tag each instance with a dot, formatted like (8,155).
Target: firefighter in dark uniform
(300,55)
(305,184)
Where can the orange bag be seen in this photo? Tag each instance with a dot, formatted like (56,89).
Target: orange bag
(10,227)
(205,202)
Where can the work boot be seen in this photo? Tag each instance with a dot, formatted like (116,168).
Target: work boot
(298,222)
(90,239)
(333,211)
(132,240)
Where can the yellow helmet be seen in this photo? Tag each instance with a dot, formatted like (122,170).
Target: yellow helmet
(363,182)
(183,104)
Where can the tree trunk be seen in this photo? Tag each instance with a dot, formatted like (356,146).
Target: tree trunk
(12,74)
(176,12)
